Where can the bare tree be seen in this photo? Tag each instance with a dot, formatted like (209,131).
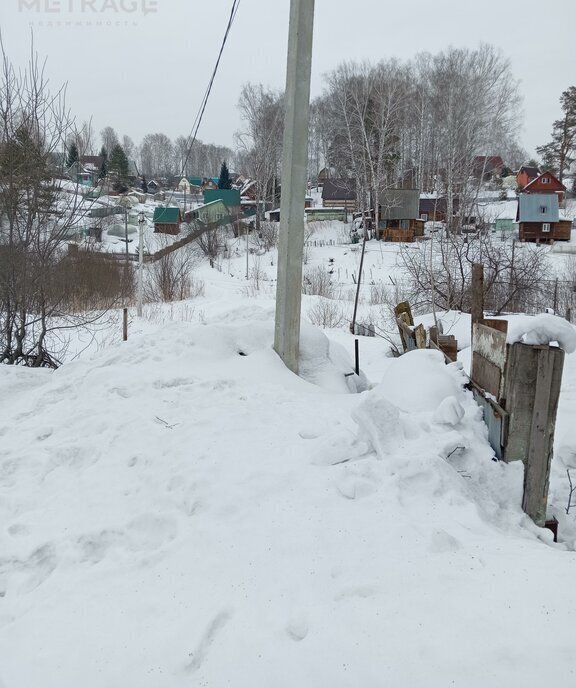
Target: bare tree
(85,139)
(171,278)
(128,147)
(157,155)
(260,143)
(37,216)
(439,273)
(109,138)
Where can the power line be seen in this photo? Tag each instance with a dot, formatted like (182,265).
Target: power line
(198,120)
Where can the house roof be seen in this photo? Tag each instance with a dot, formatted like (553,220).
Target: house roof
(167,216)
(538,208)
(231,197)
(247,185)
(431,205)
(339,190)
(534,182)
(530,171)
(488,162)
(400,204)
(94,160)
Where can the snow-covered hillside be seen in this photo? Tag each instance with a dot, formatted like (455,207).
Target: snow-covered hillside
(181,510)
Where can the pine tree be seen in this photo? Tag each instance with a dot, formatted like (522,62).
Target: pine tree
(72,155)
(558,155)
(224,182)
(104,165)
(118,162)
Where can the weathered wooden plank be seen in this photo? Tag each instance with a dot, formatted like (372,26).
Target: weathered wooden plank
(489,356)
(448,344)
(518,398)
(420,336)
(404,307)
(537,464)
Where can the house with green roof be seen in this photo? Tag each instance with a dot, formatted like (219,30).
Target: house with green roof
(167,220)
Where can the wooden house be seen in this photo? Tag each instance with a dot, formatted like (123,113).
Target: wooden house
(525,175)
(399,213)
(487,166)
(546,183)
(539,219)
(339,193)
(184,185)
(153,186)
(209,183)
(167,220)
(324,174)
(248,190)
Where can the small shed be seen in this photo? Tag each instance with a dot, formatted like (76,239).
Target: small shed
(505,226)
(167,220)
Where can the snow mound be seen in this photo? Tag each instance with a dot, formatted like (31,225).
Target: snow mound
(420,381)
(542,329)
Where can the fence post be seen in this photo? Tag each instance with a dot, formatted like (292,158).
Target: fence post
(477,306)
(125,324)
(532,388)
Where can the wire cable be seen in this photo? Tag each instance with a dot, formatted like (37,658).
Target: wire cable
(198,120)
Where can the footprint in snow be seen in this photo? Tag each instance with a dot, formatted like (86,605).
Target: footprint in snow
(297,627)
(442,542)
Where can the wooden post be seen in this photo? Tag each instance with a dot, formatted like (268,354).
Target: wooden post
(531,392)
(477,306)
(125,324)
(356,357)
(537,466)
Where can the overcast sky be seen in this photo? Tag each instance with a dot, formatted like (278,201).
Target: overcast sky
(142,66)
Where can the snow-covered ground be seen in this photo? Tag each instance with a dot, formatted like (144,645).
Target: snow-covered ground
(181,510)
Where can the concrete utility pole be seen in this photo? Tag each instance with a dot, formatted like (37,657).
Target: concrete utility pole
(294,177)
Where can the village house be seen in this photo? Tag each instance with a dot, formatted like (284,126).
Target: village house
(339,193)
(525,175)
(546,183)
(486,167)
(167,220)
(399,215)
(539,219)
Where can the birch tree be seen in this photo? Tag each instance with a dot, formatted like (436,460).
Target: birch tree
(260,141)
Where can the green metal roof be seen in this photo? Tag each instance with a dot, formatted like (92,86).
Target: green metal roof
(167,216)
(195,181)
(231,197)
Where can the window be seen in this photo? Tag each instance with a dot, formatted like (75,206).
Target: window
(543,208)
(424,216)
(545,180)
(404,224)
(545,226)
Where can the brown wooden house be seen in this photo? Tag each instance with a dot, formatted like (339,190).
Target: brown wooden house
(525,175)
(546,183)
(487,166)
(434,208)
(167,220)
(539,219)
(339,193)
(399,215)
